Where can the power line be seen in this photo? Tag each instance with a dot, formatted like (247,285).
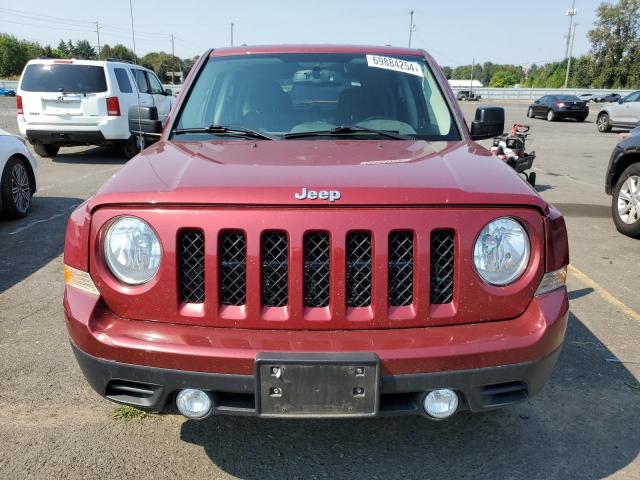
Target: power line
(13,22)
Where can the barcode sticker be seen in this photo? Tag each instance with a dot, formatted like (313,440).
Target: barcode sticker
(395,64)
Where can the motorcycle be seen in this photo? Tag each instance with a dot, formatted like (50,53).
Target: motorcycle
(510,148)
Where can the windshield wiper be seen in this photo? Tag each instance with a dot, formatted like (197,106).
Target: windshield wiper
(224,130)
(347,130)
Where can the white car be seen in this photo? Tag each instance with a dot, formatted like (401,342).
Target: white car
(66,102)
(18,176)
(623,114)
(587,97)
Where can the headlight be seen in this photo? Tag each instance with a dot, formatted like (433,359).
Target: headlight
(132,250)
(501,252)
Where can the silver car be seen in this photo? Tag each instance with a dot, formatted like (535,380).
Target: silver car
(18,174)
(624,114)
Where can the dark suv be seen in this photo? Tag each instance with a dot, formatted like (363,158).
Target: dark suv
(623,184)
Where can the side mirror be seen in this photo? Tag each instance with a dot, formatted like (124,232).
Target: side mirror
(143,121)
(537,102)
(168,92)
(489,123)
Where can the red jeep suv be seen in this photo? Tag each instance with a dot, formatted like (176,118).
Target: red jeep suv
(315,233)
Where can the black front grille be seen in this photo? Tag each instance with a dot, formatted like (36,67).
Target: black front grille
(191,263)
(275,269)
(359,269)
(232,255)
(400,268)
(442,266)
(316,269)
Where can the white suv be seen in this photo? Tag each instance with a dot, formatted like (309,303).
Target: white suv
(84,102)
(625,114)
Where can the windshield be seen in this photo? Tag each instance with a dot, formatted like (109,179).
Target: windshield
(282,94)
(63,78)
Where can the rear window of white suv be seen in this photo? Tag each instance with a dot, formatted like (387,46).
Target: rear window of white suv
(63,78)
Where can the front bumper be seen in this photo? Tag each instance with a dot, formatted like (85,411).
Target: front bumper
(490,364)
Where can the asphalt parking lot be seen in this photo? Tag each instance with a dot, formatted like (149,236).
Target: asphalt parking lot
(584,424)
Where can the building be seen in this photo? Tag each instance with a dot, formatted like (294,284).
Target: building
(459,84)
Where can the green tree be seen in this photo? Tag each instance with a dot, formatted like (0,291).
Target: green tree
(581,72)
(84,51)
(161,63)
(123,53)
(503,78)
(13,56)
(63,49)
(106,52)
(615,44)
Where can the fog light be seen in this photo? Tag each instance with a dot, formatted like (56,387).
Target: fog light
(193,403)
(441,403)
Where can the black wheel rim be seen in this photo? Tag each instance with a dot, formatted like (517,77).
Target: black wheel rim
(20,188)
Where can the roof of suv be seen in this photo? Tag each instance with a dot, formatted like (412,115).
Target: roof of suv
(76,61)
(302,48)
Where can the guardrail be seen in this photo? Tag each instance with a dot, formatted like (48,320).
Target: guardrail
(487,93)
(529,94)
(9,84)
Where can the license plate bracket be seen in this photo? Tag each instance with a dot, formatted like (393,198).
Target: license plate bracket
(317,384)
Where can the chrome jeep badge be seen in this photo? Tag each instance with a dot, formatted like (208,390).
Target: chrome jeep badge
(331,195)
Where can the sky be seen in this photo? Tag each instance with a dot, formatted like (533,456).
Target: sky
(454,32)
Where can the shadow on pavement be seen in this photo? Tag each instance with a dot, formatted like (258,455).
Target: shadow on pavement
(541,187)
(26,245)
(582,292)
(584,210)
(582,425)
(108,155)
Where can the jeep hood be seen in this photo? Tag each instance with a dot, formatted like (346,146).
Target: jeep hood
(365,172)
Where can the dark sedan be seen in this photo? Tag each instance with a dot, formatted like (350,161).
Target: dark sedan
(555,107)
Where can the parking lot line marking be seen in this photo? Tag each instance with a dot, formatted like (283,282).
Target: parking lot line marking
(31,224)
(604,293)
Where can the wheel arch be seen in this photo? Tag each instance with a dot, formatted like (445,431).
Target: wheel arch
(624,161)
(25,161)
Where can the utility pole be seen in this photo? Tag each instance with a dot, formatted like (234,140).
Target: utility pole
(473,66)
(173,59)
(133,32)
(411,26)
(232,34)
(572,12)
(98,34)
(573,37)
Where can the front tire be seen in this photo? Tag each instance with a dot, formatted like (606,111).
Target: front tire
(551,116)
(625,206)
(46,150)
(16,189)
(530,112)
(581,119)
(604,123)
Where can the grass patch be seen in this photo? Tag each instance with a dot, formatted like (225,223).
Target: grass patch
(128,413)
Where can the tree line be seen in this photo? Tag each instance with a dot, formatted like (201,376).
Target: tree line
(15,53)
(613,60)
